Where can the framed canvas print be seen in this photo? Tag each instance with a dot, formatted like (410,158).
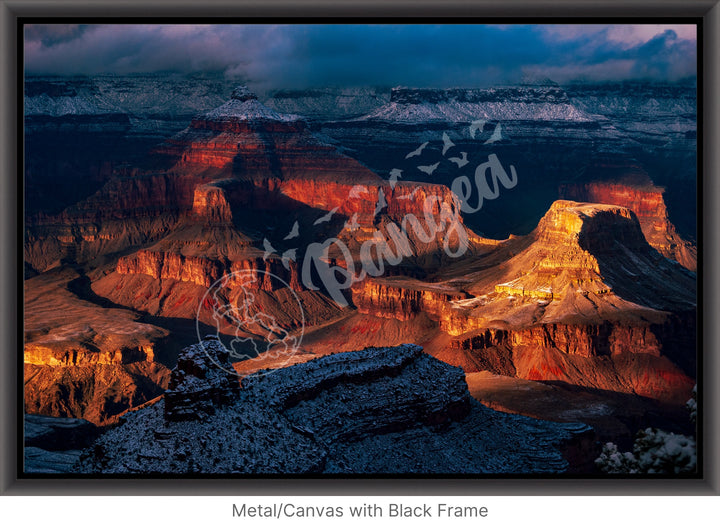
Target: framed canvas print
(360,248)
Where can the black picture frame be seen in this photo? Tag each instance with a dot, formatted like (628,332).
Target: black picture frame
(706,12)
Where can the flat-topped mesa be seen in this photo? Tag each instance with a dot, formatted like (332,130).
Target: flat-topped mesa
(537,104)
(591,226)
(588,249)
(565,245)
(501,94)
(583,245)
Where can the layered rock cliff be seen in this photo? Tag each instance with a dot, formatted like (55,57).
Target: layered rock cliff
(393,410)
(232,170)
(583,299)
(238,159)
(646,201)
(83,360)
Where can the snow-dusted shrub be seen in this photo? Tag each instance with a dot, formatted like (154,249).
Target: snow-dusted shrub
(658,451)
(611,460)
(654,451)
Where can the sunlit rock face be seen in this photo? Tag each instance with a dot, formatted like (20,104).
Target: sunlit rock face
(583,299)
(646,201)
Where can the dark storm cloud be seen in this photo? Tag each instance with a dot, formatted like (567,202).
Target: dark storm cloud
(666,56)
(51,34)
(313,55)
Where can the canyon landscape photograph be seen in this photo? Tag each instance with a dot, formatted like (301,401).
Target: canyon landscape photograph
(355,250)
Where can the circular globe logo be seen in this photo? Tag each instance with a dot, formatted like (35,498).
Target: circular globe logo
(247,328)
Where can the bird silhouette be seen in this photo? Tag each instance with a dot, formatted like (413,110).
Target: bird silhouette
(460,161)
(357,190)
(326,217)
(287,257)
(353,224)
(417,151)
(476,125)
(447,143)
(294,232)
(429,169)
(381,203)
(497,135)
(269,250)
(395,174)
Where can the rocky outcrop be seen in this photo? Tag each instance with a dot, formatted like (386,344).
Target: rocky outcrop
(447,400)
(646,201)
(203,380)
(389,410)
(211,205)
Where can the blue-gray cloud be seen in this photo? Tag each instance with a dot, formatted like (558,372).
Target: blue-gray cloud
(415,55)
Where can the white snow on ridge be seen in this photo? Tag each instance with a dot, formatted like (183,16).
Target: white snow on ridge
(140,96)
(65,105)
(457,112)
(248,110)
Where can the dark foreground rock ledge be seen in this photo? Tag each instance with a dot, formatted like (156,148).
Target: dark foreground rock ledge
(392,410)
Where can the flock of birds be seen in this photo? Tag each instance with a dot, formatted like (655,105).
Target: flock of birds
(395,174)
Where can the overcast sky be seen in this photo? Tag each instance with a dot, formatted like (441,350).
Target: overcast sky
(298,56)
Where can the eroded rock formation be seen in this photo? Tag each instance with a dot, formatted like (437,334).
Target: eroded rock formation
(391,410)
(583,299)
(202,381)
(646,201)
